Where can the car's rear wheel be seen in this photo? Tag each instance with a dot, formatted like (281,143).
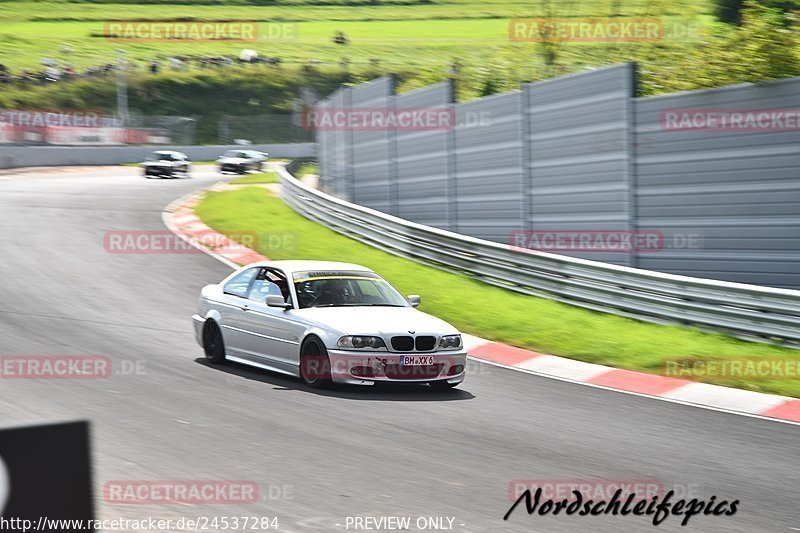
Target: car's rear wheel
(443,385)
(315,366)
(212,343)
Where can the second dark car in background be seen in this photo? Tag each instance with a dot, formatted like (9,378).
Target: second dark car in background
(241,161)
(167,163)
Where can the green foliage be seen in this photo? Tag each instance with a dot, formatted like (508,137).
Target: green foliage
(766,46)
(207,94)
(729,10)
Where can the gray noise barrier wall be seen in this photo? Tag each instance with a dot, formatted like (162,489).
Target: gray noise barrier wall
(423,160)
(371,147)
(582,154)
(579,155)
(738,192)
(489,177)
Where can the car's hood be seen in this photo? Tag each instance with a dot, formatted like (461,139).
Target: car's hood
(160,163)
(375,320)
(234,160)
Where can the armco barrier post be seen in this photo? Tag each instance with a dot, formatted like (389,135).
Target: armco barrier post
(631,81)
(452,184)
(525,158)
(391,140)
(349,172)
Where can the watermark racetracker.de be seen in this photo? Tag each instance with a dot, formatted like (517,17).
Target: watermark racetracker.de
(41,367)
(43,118)
(378,118)
(732,368)
(436,118)
(602,29)
(166,242)
(191,492)
(590,240)
(730,119)
(598,488)
(222,30)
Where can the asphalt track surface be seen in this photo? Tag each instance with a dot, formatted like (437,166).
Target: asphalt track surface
(321,456)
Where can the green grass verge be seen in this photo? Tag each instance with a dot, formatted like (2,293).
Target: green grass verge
(474,307)
(262,177)
(307,168)
(409,35)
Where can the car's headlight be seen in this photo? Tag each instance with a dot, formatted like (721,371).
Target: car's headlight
(361,341)
(450,342)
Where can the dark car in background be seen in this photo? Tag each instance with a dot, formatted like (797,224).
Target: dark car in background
(241,161)
(167,163)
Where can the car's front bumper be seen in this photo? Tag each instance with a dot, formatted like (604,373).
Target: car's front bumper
(233,167)
(161,171)
(366,368)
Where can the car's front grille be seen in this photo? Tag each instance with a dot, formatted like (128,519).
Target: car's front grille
(406,343)
(413,372)
(425,343)
(403,343)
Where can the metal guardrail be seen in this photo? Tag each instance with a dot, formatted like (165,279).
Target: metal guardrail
(747,311)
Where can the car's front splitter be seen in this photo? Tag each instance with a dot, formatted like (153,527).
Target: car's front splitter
(364,368)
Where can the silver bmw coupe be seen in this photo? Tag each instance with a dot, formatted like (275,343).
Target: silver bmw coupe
(326,322)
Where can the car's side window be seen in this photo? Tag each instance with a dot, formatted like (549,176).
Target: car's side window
(240,284)
(269,282)
(279,279)
(263,286)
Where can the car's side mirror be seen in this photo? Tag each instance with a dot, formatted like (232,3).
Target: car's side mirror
(277,301)
(413,299)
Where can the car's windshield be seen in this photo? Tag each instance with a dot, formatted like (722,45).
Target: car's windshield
(345,289)
(161,157)
(235,153)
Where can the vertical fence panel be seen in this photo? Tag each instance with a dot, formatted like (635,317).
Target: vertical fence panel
(579,155)
(325,150)
(339,101)
(422,160)
(370,149)
(487,161)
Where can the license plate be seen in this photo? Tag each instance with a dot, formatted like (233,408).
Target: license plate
(416,360)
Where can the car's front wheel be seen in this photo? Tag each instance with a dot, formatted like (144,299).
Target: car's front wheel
(315,366)
(212,343)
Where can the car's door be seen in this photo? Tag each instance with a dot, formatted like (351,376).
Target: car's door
(273,333)
(231,309)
